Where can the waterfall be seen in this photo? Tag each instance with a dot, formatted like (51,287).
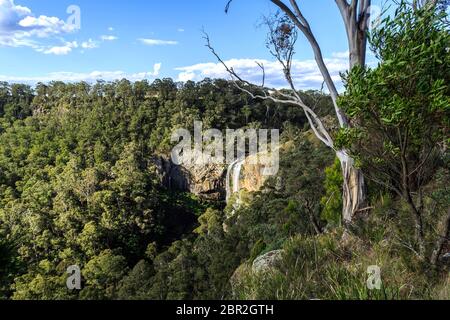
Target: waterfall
(233,175)
(236,175)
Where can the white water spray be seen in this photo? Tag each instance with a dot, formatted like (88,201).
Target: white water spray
(233,175)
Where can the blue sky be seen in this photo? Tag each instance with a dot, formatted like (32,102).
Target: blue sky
(152,39)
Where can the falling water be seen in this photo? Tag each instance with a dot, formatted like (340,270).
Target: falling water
(236,175)
(233,175)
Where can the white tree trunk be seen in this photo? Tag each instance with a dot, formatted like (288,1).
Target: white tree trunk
(354,195)
(356,15)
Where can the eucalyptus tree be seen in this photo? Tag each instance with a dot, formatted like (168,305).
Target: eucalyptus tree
(284,30)
(283,34)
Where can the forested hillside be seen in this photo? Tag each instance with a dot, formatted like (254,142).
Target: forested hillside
(79,186)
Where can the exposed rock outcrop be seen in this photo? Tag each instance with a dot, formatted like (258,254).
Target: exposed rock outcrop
(239,281)
(206,181)
(267,261)
(211,181)
(252,179)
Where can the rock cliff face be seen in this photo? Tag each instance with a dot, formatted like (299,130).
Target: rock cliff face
(210,181)
(251,178)
(207,181)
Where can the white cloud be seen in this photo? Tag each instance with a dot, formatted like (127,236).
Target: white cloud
(59,50)
(20,27)
(305,73)
(88,77)
(341,55)
(186,76)
(90,44)
(110,29)
(157,42)
(180,30)
(44,26)
(108,38)
(10,14)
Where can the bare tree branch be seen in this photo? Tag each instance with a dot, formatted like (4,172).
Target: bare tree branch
(261,65)
(227,8)
(356,26)
(344,9)
(316,124)
(307,32)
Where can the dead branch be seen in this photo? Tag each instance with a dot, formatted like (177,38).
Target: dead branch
(245,86)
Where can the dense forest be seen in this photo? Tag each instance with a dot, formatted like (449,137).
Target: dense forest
(79,186)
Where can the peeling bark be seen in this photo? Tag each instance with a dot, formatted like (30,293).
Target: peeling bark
(354,196)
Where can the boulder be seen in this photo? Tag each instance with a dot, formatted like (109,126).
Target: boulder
(267,261)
